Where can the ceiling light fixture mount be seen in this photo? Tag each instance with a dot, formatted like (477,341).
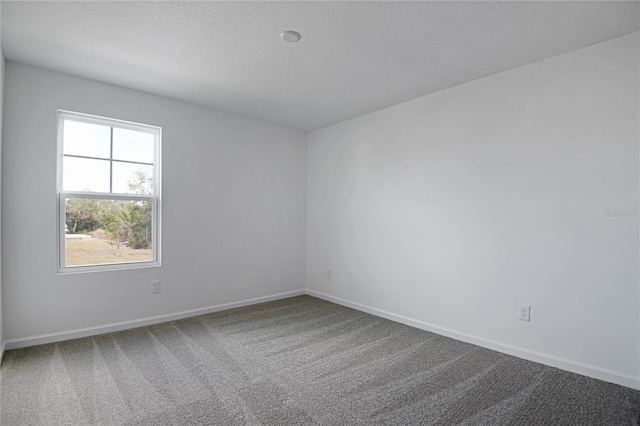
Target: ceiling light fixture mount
(290,36)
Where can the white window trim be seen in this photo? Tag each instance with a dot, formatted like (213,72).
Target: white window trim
(155,199)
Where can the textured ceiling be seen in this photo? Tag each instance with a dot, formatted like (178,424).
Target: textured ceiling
(354,57)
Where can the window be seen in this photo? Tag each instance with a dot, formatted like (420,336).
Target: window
(108,193)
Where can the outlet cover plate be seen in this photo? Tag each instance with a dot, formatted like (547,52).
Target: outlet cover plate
(524,313)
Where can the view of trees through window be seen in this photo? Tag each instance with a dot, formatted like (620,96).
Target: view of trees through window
(110,231)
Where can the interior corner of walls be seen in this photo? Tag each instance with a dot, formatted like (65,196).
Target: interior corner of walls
(2,78)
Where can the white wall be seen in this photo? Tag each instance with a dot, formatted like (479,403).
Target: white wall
(233,219)
(450,210)
(1,103)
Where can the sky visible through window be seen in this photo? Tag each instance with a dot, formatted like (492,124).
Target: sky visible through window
(88,150)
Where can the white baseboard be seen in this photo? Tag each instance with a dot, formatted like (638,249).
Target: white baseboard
(539,357)
(124,325)
(542,358)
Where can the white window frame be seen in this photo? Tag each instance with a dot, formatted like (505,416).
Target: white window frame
(154,199)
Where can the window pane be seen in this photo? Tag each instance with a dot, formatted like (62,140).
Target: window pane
(82,174)
(130,145)
(90,140)
(132,178)
(107,231)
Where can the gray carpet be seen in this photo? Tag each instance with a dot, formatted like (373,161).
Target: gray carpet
(291,362)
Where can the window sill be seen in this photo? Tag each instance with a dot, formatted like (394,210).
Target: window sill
(106,267)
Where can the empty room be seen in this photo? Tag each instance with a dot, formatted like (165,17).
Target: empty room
(320,213)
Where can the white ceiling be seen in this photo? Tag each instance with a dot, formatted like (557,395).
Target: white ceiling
(354,57)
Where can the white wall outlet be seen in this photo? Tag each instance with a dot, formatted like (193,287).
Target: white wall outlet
(329,274)
(155,287)
(524,313)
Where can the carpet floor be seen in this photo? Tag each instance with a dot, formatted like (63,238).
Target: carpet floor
(298,361)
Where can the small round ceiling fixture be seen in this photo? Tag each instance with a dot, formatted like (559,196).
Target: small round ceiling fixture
(290,36)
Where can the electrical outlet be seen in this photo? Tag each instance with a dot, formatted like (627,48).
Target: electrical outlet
(524,313)
(155,287)
(329,274)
